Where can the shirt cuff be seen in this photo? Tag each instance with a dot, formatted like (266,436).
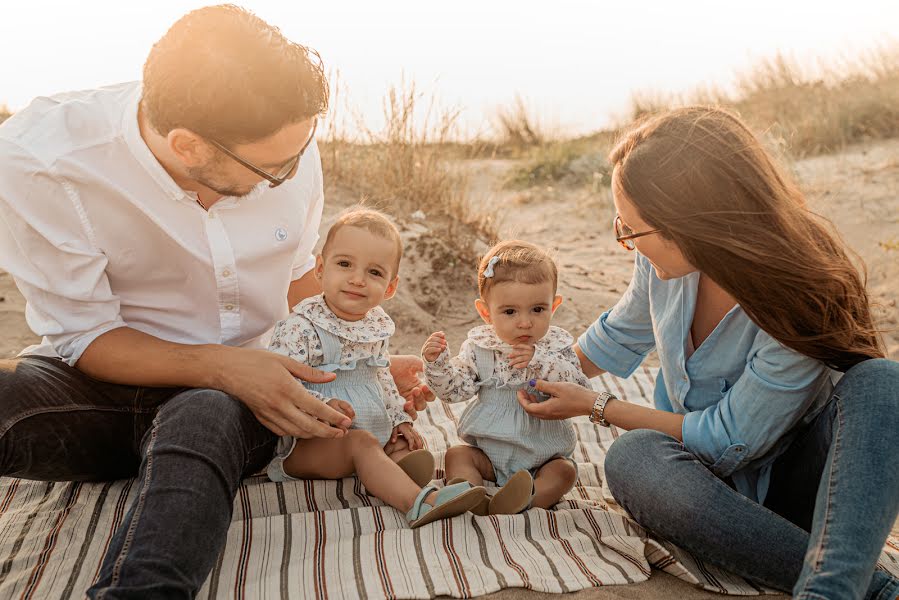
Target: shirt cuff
(71,347)
(606,353)
(401,417)
(722,459)
(439,362)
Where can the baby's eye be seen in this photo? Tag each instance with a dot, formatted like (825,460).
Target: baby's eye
(509,311)
(375,272)
(343,263)
(539,309)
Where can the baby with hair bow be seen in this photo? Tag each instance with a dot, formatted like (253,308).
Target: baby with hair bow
(528,457)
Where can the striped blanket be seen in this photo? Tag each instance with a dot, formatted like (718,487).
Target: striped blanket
(327,539)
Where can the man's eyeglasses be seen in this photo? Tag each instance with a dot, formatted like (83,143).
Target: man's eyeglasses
(284,173)
(625,235)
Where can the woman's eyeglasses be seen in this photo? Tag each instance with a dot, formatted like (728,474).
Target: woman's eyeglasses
(625,235)
(284,173)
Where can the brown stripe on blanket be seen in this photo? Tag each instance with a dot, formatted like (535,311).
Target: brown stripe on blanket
(23,533)
(566,546)
(37,572)
(88,538)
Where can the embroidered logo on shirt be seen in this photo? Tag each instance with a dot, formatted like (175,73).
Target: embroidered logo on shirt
(280,234)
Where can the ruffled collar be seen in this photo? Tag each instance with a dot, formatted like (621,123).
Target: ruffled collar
(375,326)
(555,340)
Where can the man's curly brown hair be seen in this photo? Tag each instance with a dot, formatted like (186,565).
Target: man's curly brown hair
(227,75)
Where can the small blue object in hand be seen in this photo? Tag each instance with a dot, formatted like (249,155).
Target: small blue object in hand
(537,395)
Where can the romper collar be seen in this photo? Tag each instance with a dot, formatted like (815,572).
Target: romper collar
(375,326)
(555,340)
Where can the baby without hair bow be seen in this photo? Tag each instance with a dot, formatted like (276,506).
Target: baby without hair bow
(488,272)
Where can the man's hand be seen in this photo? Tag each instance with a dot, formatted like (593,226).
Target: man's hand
(266,383)
(413,439)
(342,406)
(521,355)
(405,369)
(434,346)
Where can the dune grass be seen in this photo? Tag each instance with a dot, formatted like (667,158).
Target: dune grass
(801,109)
(406,167)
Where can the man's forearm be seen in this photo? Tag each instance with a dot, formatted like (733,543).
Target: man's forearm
(131,357)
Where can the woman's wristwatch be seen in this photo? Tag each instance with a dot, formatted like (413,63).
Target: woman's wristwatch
(599,408)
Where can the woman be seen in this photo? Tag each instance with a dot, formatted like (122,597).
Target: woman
(751,459)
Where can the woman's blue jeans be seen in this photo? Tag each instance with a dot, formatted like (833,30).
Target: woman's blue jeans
(834,496)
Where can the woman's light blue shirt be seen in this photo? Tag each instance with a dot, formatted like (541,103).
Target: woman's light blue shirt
(743,394)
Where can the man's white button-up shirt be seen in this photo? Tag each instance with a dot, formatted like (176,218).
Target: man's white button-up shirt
(97,235)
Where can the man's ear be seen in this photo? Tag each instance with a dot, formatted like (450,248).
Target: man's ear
(190,148)
(390,292)
(557,302)
(319,267)
(483,310)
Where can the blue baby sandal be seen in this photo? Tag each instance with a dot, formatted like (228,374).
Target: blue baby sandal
(451,501)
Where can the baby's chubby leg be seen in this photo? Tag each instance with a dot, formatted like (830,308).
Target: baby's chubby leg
(468,463)
(552,481)
(357,452)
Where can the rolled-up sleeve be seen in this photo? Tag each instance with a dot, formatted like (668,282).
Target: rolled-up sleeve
(622,337)
(304,261)
(45,244)
(774,392)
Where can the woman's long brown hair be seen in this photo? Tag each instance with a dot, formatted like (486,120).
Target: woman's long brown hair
(703,178)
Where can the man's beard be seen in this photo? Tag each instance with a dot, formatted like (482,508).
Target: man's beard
(206,176)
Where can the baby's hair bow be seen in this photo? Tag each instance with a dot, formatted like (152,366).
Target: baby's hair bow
(488,272)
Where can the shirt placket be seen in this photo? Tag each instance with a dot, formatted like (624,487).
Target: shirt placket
(225,277)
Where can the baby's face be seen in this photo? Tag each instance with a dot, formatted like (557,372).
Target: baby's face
(520,312)
(357,274)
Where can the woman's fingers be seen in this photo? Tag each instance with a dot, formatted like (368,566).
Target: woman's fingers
(541,410)
(547,387)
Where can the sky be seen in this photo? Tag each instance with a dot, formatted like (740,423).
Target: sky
(575,63)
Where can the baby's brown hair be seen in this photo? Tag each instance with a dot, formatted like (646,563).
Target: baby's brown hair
(373,221)
(519,261)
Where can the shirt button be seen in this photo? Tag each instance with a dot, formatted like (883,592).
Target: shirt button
(226,273)
(229,307)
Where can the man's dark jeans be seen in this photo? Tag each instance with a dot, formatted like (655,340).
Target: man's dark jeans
(188,448)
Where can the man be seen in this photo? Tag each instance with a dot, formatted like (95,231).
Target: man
(158,231)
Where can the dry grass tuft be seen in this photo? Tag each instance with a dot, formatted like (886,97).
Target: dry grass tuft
(518,127)
(799,111)
(807,109)
(405,168)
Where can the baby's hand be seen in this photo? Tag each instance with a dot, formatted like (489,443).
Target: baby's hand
(521,355)
(434,346)
(342,406)
(413,439)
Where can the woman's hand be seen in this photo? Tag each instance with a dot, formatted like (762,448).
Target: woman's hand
(434,346)
(412,437)
(404,369)
(565,400)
